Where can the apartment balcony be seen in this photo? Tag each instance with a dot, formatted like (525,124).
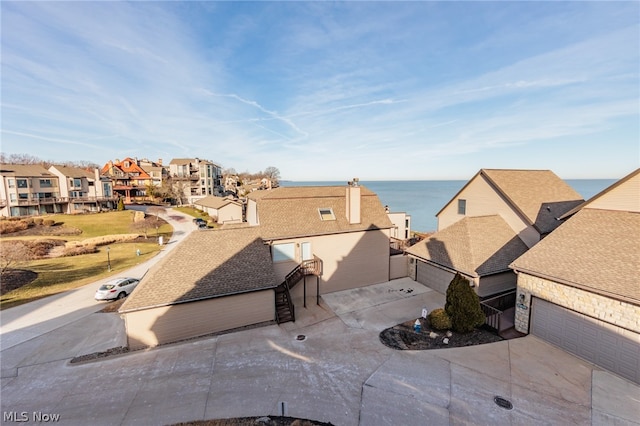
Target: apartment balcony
(91,199)
(39,201)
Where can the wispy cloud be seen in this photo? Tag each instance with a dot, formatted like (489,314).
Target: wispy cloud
(317,89)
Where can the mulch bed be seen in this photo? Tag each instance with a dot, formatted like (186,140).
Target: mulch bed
(403,337)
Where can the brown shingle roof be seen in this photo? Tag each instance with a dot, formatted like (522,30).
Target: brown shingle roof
(207,264)
(476,246)
(182,161)
(597,250)
(539,194)
(24,170)
(75,172)
(288,212)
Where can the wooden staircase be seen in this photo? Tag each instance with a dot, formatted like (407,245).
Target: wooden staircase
(285,311)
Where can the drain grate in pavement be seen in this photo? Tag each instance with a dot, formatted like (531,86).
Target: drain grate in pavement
(502,402)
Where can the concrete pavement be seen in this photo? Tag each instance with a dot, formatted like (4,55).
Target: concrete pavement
(340,373)
(28,321)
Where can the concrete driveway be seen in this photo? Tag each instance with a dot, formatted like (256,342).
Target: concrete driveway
(340,373)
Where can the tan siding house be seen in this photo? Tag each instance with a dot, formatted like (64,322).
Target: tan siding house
(346,228)
(491,221)
(27,190)
(217,280)
(579,288)
(530,201)
(223,209)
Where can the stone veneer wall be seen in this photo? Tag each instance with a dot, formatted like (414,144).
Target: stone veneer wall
(615,312)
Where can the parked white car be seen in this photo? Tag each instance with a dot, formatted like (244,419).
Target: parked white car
(116,288)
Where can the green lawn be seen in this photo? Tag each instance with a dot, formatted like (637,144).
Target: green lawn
(65,273)
(192,212)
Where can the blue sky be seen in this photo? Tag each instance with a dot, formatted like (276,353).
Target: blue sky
(328,91)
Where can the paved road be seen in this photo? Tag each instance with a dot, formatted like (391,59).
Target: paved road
(24,322)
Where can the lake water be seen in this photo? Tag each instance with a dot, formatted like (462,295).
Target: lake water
(422,199)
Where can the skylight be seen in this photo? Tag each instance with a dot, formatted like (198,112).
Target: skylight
(326,214)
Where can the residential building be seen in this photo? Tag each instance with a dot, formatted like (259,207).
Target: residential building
(85,190)
(155,170)
(29,190)
(579,288)
(491,221)
(130,180)
(195,178)
(221,209)
(299,243)
(218,280)
(346,228)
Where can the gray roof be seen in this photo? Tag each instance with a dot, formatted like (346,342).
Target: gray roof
(596,250)
(207,264)
(475,246)
(289,212)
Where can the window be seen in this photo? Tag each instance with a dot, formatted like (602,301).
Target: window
(305,251)
(283,252)
(90,183)
(12,183)
(326,214)
(45,183)
(22,183)
(22,196)
(462,206)
(12,196)
(77,183)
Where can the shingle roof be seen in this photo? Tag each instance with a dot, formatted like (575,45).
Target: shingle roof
(476,246)
(540,196)
(75,172)
(207,264)
(288,212)
(533,191)
(215,202)
(24,170)
(182,161)
(597,250)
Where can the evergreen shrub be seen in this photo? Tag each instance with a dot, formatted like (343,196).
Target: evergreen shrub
(463,306)
(439,319)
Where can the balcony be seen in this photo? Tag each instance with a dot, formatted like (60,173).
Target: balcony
(39,201)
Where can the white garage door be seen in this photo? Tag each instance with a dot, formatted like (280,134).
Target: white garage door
(611,347)
(433,277)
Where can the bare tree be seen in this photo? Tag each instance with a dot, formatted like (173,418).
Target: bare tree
(272,173)
(156,211)
(142,226)
(13,254)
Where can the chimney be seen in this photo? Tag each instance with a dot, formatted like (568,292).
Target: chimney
(353,202)
(160,161)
